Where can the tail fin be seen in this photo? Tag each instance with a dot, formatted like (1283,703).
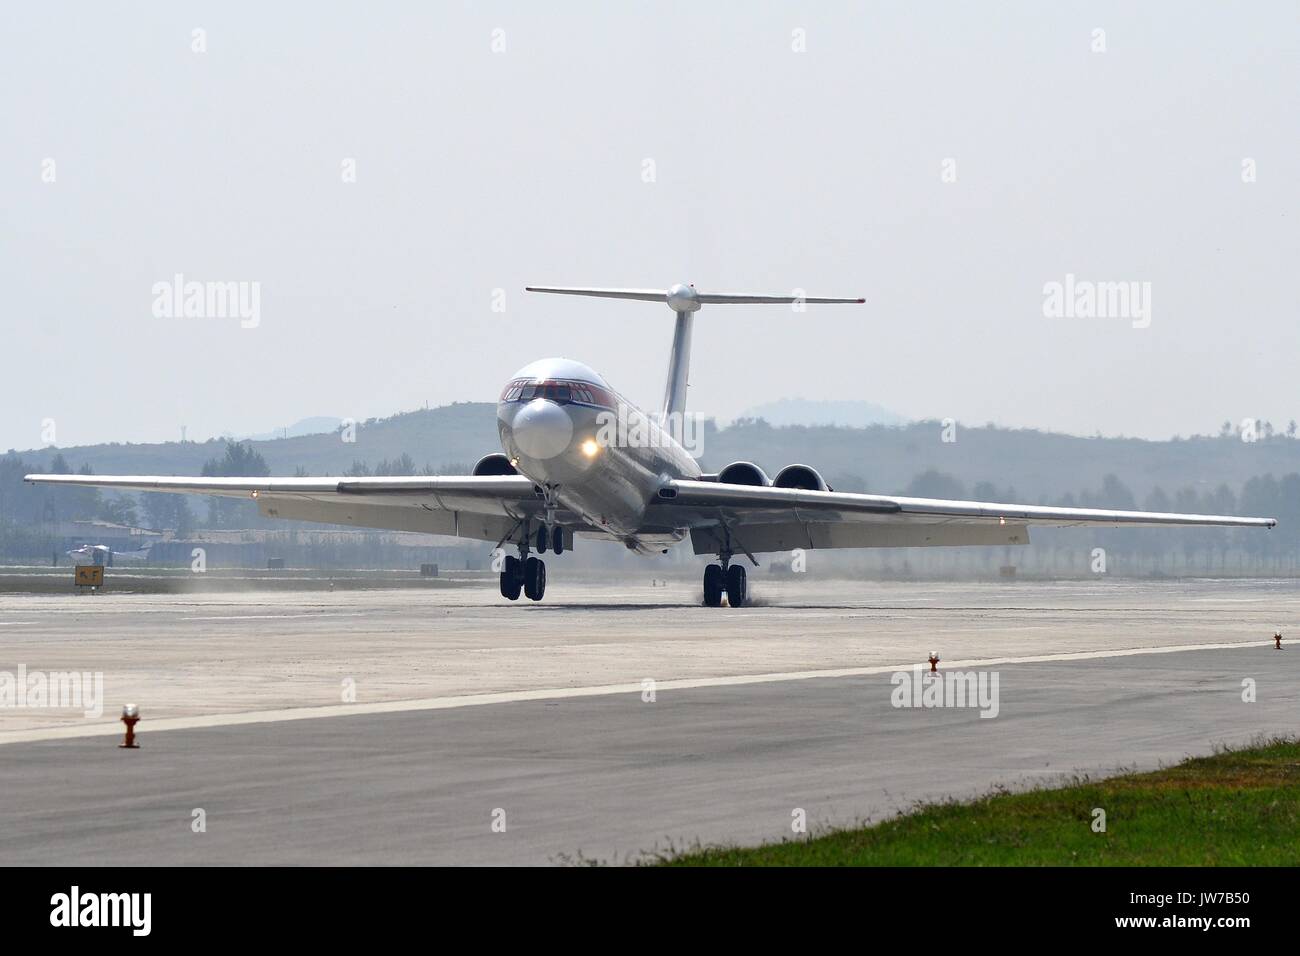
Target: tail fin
(685,301)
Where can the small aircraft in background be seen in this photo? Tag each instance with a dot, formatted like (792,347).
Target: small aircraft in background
(102,554)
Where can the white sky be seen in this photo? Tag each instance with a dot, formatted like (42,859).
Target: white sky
(775,170)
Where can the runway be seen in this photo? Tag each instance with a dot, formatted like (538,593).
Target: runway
(615,778)
(755,713)
(207,655)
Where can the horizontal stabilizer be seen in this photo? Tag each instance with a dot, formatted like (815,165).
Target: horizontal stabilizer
(645,295)
(681,298)
(743,298)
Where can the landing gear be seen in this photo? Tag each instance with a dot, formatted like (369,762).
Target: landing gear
(512,578)
(550,537)
(714,585)
(726,578)
(528,574)
(736,586)
(534,578)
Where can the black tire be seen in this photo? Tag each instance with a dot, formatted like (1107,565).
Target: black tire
(713,585)
(534,579)
(737,587)
(511,579)
(557,541)
(541,539)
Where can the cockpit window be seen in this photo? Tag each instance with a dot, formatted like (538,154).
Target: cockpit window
(562,393)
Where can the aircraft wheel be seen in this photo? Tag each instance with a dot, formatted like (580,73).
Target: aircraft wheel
(713,585)
(511,578)
(541,539)
(737,587)
(534,578)
(557,541)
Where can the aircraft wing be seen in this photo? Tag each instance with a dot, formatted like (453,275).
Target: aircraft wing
(755,519)
(486,507)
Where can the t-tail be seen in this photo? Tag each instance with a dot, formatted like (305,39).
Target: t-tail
(686,301)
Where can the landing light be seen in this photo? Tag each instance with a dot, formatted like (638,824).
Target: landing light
(590,448)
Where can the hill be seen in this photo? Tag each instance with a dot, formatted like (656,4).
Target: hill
(803,411)
(1035,465)
(457,434)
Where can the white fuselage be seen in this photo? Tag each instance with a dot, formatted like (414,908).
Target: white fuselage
(602,457)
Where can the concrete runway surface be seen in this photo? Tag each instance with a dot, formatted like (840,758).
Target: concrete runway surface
(465,707)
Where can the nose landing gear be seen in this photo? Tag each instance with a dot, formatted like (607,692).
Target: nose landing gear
(552,537)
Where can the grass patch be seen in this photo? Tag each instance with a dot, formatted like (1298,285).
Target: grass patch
(1234,808)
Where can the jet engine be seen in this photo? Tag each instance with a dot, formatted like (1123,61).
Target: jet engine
(495,464)
(801,477)
(743,473)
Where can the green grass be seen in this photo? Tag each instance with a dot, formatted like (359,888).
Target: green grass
(1235,808)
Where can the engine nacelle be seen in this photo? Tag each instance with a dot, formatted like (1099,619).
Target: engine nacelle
(744,473)
(494,464)
(801,477)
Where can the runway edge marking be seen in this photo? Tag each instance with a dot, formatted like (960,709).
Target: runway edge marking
(561,693)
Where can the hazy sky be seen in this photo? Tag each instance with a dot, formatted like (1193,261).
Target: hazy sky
(773,169)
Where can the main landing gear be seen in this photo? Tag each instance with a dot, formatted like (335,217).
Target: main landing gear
(523,574)
(725,578)
(528,574)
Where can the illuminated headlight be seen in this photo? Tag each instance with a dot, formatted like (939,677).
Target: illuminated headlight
(590,448)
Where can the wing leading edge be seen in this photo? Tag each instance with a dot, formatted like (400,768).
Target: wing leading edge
(486,507)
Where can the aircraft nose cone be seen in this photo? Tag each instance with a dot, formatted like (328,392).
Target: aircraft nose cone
(542,429)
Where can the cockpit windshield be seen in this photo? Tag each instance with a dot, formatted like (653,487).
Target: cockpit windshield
(562,393)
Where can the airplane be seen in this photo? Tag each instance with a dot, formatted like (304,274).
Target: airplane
(563,471)
(103,554)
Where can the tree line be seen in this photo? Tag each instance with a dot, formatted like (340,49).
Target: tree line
(27,512)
